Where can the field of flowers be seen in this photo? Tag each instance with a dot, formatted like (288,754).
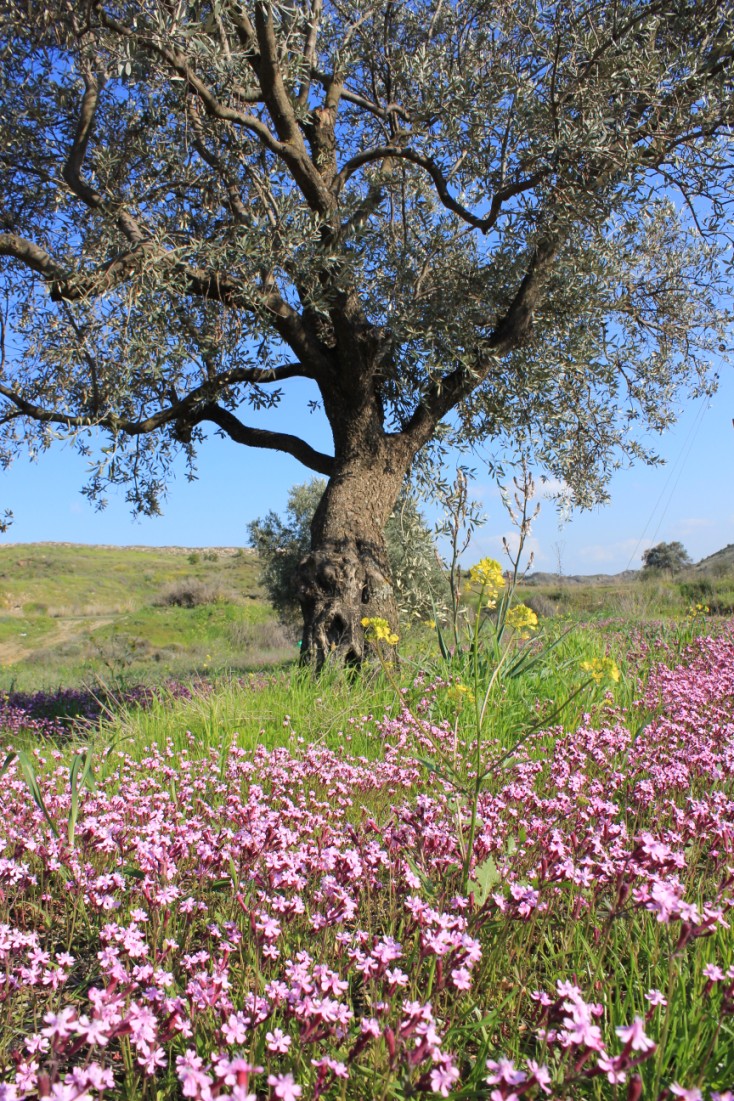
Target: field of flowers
(297,922)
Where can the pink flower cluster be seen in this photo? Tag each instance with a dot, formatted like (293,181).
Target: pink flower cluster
(289,925)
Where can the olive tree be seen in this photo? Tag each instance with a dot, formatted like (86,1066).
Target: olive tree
(665,557)
(419,579)
(459,220)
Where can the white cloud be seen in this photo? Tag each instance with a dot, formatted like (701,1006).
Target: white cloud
(552,488)
(692,524)
(618,552)
(492,545)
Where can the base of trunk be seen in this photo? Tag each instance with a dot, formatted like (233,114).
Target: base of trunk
(340,583)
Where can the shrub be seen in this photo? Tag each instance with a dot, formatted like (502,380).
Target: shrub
(544,606)
(193,593)
(665,558)
(262,637)
(281,542)
(697,592)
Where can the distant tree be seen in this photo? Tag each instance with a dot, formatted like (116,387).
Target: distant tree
(450,219)
(281,542)
(665,558)
(419,578)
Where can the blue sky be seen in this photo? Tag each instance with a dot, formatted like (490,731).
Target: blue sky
(690,499)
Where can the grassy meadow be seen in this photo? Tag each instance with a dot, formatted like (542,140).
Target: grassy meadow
(501,868)
(71,615)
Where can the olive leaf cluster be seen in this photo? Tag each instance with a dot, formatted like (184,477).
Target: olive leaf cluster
(455,219)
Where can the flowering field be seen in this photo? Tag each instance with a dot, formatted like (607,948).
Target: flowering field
(293,923)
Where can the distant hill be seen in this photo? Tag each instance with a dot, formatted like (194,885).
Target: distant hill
(72,613)
(720,562)
(580,579)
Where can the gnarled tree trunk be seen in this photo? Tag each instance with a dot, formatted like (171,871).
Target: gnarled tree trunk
(346,577)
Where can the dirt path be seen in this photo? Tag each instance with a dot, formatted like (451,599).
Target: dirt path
(66,628)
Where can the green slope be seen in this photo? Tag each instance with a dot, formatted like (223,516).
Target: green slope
(70,613)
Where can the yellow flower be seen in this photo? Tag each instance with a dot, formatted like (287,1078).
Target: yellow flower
(377,629)
(601,669)
(523,619)
(459,692)
(488,574)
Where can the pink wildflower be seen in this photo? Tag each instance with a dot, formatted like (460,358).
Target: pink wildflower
(692,1094)
(635,1037)
(278,1042)
(284,1087)
(443,1078)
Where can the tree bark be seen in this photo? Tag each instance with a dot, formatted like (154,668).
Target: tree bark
(346,577)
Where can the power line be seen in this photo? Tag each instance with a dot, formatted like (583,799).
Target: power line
(676,469)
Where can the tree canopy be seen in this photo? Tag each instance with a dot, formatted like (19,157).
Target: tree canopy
(458,220)
(666,557)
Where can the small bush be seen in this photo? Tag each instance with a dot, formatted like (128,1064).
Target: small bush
(193,593)
(543,606)
(262,637)
(700,591)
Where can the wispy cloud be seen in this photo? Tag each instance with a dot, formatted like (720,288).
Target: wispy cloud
(617,552)
(693,523)
(493,546)
(552,488)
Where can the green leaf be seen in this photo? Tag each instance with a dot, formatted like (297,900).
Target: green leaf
(29,775)
(486,876)
(224,884)
(133,873)
(425,881)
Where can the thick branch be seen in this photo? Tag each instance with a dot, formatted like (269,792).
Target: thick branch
(509,333)
(72,171)
(376,109)
(260,437)
(184,412)
(34,257)
(302,168)
(73,287)
(398,152)
(309,51)
(215,162)
(290,148)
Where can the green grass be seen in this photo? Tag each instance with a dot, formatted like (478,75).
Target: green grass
(636,600)
(28,629)
(72,615)
(75,614)
(76,579)
(283,708)
(341,710)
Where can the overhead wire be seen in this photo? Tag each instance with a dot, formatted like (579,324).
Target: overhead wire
(676,470)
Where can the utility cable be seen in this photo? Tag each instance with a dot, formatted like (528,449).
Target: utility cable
(679,466)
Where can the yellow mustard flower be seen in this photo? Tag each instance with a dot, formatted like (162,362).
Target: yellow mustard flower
(459,692)
(522,619)
(488,574)
(377,629)
(601,669)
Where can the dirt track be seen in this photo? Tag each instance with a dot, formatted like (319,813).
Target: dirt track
(65,628)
